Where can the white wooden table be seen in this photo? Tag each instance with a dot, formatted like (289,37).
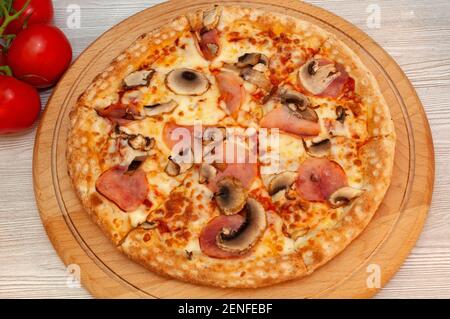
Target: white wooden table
(415,32)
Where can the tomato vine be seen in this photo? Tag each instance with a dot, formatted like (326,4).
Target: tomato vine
(7,15)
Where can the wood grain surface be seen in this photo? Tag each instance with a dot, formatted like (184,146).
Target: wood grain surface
(408,30)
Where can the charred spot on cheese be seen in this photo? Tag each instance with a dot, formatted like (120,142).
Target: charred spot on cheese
(230,196)
(344,196)
(206,173)
(281,181)
(315,77)
(248,234)
(318,148)
(160,108)
(187,82)
(138,79)
(140,142)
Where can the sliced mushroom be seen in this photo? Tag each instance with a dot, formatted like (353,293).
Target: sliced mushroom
(230,195)
(211,18)
(135,164)
(256,78)
(340,114)
(138,78)
(187,82)
(141,143)
(172,168)
(248,235)
(214,134)
(206,173)
(316,78)
(298,104)
(294,100)
(343,196)
(179,165)
(160,108)
(318,148)
(252,59)
(308,115)
(281,181)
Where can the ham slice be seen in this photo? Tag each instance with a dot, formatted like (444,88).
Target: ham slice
(127,190)
(174,134)
(232,91)
(318,178)
(336,87)
(283,119)
(119,113)
(209,234)
(209,44)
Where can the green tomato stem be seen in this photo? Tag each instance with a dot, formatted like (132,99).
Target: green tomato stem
(9,18)
(6,70)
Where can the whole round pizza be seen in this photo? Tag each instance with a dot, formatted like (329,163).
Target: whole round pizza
(232,147)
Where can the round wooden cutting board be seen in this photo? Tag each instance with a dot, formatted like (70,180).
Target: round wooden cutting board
(379,250)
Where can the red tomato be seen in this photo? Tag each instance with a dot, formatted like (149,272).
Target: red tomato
(19,105)
(2,58)
(39,55)
(37,12)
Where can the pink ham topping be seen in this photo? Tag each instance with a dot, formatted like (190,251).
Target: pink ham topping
(283,119)
(172,137)
(209,44)
(318,178)
(232,91)
(127,190)
(336,87)
(119,113)
(209,234)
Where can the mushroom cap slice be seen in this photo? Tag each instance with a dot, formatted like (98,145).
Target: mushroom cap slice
(281,181)
(247,236)
(172,168)
(160,108)
(206,173)
(141,143)
(252,59)
(318,148)
(343,196)
(256,78)
(315,77)
(181,163)
(138,78)
(341,114)
(211,18)
(294,100)
(230,196)
(187,82)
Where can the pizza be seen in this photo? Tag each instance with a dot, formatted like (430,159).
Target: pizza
(232,147)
